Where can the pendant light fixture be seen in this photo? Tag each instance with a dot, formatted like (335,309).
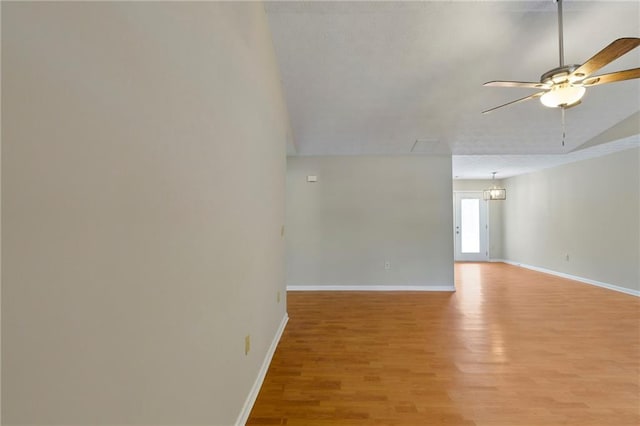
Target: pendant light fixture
(494,193)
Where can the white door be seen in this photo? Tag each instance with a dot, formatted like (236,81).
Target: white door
(471,229)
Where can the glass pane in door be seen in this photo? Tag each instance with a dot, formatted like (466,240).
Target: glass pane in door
(470,225)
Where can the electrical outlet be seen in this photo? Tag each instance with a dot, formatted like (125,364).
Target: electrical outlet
(387,265)
(247,344)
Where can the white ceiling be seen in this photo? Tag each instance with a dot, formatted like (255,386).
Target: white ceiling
(371,78)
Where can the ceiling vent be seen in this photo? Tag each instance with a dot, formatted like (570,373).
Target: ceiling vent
(425,146)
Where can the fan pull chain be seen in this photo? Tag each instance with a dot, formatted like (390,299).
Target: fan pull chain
(563,127)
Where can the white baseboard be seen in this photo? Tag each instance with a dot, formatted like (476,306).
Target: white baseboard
(370,288)
(576,278)
(251,398)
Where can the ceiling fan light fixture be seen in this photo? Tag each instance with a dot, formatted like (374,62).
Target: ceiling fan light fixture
(562,95)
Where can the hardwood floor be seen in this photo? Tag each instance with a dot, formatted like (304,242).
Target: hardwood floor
(510,347)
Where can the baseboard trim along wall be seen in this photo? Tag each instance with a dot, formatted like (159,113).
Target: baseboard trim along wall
(370,288)
(251,398)
(575,278)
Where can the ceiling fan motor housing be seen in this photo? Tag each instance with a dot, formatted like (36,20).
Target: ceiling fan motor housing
(559,75)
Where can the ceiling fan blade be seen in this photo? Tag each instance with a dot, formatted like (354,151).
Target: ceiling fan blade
(612,77)
(610,53)
(525,84)
(526,98)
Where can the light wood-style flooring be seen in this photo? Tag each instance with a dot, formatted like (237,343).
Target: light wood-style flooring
(511,347)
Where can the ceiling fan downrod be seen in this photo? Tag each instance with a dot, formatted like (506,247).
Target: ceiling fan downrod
(560,35)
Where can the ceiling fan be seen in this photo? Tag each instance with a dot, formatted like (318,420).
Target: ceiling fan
(564,86)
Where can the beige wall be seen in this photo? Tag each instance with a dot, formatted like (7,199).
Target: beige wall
(364,211)
(589,210)
(143,173)
(494,209)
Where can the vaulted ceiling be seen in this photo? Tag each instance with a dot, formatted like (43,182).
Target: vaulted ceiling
(372,78)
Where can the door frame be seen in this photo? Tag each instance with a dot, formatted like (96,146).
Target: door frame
(480,257)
